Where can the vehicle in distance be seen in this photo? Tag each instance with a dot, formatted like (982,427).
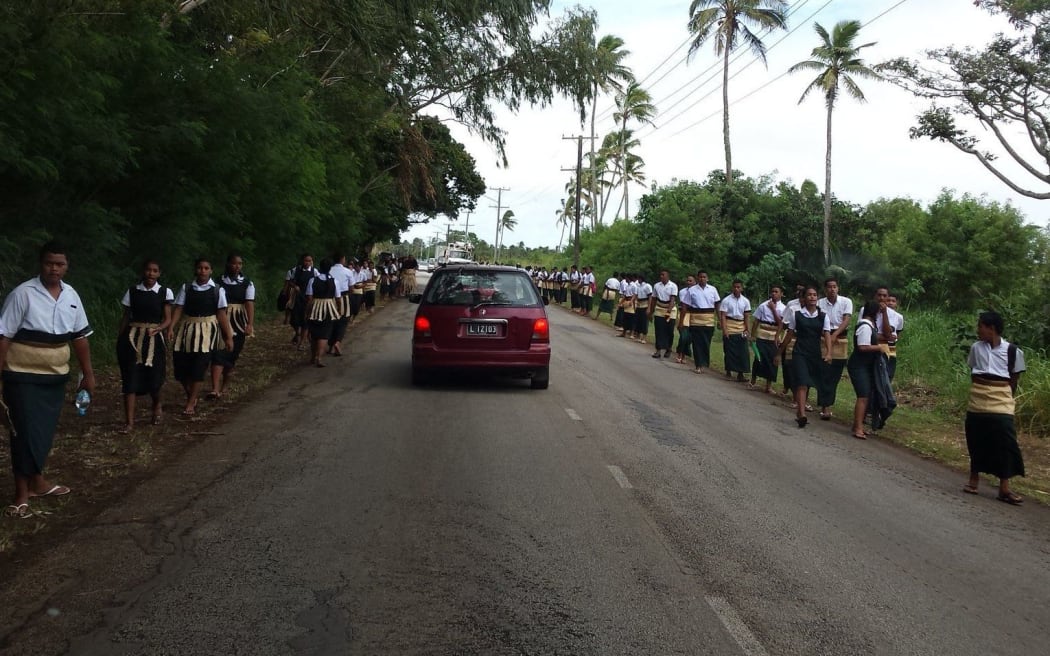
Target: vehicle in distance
(456,252)
(481,318)
(430,264)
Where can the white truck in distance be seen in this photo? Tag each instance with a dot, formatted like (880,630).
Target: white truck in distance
(456,252)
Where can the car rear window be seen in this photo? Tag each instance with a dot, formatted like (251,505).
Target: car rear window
(471,287)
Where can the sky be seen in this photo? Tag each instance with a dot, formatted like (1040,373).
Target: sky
(771,133)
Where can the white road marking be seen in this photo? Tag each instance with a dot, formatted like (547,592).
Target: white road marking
(749,644)
(572,414)
(620,477)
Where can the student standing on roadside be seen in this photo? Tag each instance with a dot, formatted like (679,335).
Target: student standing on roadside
(141,352)
(734,315)
(996,366)
(793,305)
(685,340)
(807,329)
(370,286)
(609,292)
(839,310)
(40,320)
(661,309)
(323,309)
(201,306)
(574,288)
(240,310)
(344,280)
(295,287)
(862,362)
(587,288)
(641,309)
(889,325)
(766,323)
(703,301)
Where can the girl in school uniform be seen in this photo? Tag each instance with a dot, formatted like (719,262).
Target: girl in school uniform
(141,351)
(199,317)
(322,310)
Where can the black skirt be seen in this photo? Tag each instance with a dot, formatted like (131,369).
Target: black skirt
(991,440)
(135,377)
(34,403)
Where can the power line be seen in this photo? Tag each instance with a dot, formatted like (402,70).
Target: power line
(770,82)
(739,71)
(714,65)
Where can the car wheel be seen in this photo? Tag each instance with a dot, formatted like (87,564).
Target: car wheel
(541,378)
(419,377)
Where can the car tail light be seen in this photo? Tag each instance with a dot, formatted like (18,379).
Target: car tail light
(540,331)
(422,327)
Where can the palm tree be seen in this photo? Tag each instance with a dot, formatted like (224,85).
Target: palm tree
(837,63)
(730,22)
(565,216)
(607,72)
(633,103)
(506,222)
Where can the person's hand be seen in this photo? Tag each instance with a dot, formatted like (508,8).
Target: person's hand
(828,358)
(229,343)
(249,330)
(153,331)
(170,335)
(88,383)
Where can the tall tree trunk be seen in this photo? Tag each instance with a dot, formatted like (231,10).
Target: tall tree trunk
(725,116)
(623,159)
(827,193)
(594,173)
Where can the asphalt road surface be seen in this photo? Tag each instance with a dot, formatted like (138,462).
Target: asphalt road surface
(632,508)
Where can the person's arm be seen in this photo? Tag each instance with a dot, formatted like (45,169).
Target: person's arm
(747,321)
(82,350)
(864,342)
(125,319)
(249,309)
(886,332)
(843,327)
(175,316)
(227,329)
(721,319)
(788,337)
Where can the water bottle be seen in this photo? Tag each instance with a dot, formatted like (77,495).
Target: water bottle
(82,402)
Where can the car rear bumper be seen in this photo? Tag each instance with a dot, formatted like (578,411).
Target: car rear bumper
(428,357)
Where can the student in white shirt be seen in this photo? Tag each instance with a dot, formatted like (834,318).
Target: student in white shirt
(41,319)
(862,364)
(889,325)
(685,339)
(808,330)
(608,298)
(662,309)
(766,323)
(199,319)
(141,350)
(839,310)
(996,366)
(734,314)
(641,309)
(703,301)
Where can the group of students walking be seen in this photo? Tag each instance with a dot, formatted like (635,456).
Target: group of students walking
(807,339)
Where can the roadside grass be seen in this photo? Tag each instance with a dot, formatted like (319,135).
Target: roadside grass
(932,386)
(101,464)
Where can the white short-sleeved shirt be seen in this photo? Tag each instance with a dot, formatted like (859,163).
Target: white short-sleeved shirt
(249,293)
(645,290)
(343,276)
(896,321)
(31,307)
(863,332)
(322,277)
(836,311)
(631,289)
(612,283)
(984,359)
(702,298)
(169,296)
(789,318)
(794,305)
(588,278)
(180,298)
(665,292)
(683,295)
(733,307)
(575,277)
(764,314)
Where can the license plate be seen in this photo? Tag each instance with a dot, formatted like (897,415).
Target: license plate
(483,329)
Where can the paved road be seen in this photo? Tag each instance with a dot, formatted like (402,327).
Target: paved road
(632,508)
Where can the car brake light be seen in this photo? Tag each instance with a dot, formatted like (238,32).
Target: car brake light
(540,330)
(422,327)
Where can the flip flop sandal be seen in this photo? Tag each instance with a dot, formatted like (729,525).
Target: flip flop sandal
(860,436)
(55,491)
(21,511)
(1010,498)
(970,489)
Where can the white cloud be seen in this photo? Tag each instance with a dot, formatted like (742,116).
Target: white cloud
(872,154)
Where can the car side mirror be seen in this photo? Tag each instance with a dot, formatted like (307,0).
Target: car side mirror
(415,298)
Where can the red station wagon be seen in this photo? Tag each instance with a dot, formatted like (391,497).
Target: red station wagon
(477,317)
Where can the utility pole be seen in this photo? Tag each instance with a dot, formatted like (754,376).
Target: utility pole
(499,220)
(466,229)
(434,243)
(579,194)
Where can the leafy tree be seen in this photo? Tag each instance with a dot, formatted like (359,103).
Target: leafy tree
(730,23)
(633,104)
(1004,87)
(837,63)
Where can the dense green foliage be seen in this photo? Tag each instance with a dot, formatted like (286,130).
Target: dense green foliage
(171,129)
(959,255)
